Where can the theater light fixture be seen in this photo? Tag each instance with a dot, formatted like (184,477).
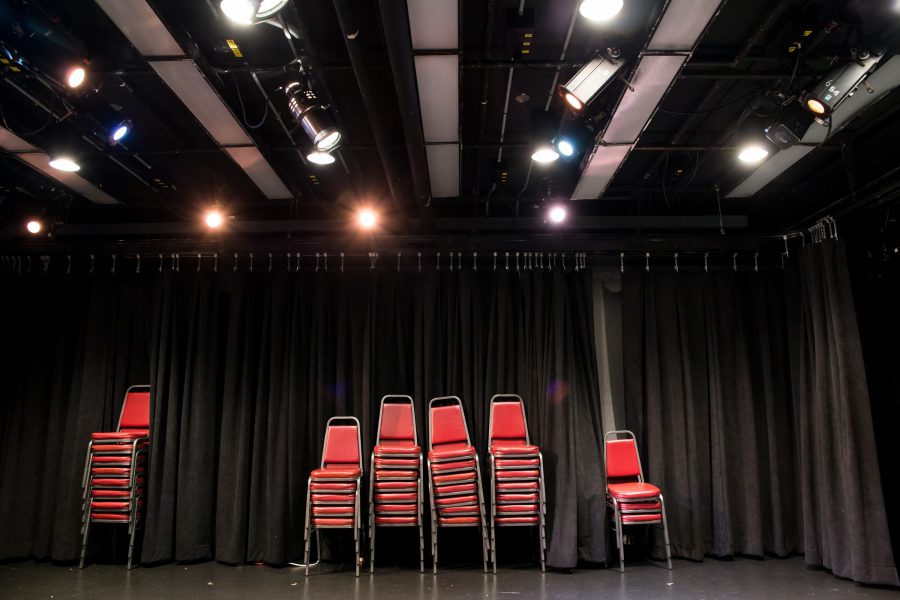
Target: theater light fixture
(545,153)
(320,158)
(565,147)
(589,81)
(557,214)
(75,77)
(248,12)
(790,127)
(367,218)
(312,118)
(64,163)
(752,154)
(119,132)
(214,218)
(838,85)
(34,226)
(600,10)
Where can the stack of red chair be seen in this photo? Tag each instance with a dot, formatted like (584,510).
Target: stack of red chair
(517,472)
(454,474)
(113,481)
(395,487)
(632,500)
(332,496)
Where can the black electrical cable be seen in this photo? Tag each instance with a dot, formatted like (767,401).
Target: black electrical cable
(244,110)
(51,115)
(709,110)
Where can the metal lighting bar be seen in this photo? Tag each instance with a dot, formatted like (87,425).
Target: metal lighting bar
(40,161)
(434,25)
(673,40)
(148,34)
(881,82)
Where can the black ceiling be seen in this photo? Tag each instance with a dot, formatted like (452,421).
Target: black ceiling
(169,169)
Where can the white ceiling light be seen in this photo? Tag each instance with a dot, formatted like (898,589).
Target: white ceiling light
(545,154)
(320,158)
(600,10)
(75,77)
(64,163)
(752,154)
(34,226)
(557,214)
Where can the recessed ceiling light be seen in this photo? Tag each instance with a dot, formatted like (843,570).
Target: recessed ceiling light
(214,219)
(565,147)
(75,77)
(34,226)
(64,163)
(600,10)
(247,12)
(320,158)
(119,132)
(545,154)
(367,218)
(557,214)
(752,154)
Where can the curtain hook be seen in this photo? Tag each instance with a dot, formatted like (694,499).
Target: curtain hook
(270,262)
(251,262)
(495,261)
(325,261)
(734,261)
(235,262)
(138,269)
(564,262)
(475,262)
(215,262)
(438,262)
(178,262)
(373,257)
(342,262)
(173,260)
(199,261)
(419,255)
(288,262)
(786,250)
(113,268)
(69,267)
(507,261)
(647,262)
(459,261)
(399,254)
(706,262)
(621,262)
(756,262)
(297,266)
(317,262)
(92,264)
(676,262)
(160,263)
(46,260)
(517,262)
(451,262)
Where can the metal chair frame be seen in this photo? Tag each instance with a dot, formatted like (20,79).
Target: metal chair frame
(403,399)
(542,497)
(618,525)
(136,453)
(356,526)
(435,526)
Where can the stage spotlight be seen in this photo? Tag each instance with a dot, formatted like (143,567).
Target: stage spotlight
(838,85)
(214,219)
(752,154)
(34,226)
(367,218)
(64,163)
(119,132)
(589,81)
(75,77)
(565,147)
(312,118)
(557,214)
(790,127)
(600,10)
(544,154)
(248,12)
(320,158)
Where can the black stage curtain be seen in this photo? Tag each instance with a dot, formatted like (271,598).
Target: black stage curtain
(246,369)
(748,395)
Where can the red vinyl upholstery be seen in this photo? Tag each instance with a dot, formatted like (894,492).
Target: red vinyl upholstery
(622,459)
(451,451)
(332,522)
(397,423)
(335,473)
(333,498)
(641,518)
(463,488)
(395,447)
(456,500)
(454,478)
(395,498)
(508,424)
(399,520)
(124,517)
(121,435)
(516,486)
(505,509)
(523,520)
(473,520)
(135,412)
(523,474)
(395,486)
(632,507)
(341,446)
(448,426)
(518,498)
(455,466)
(630,491)
(332,486)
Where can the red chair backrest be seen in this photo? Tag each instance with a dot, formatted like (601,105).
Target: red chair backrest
(341,446)
(508,424)
(397,422)
(448,425)
(622,460)
(135,411)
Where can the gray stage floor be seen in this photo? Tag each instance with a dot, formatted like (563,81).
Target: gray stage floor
(741,578)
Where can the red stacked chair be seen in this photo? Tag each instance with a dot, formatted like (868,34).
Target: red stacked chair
(332,495)
(631,499)
(395,486)
(113,481)
(454,474)
(517,472)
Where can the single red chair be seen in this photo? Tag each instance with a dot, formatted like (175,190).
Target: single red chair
(395,485)
(518,498)
(632,500)
(113,480)
(332,494)
(454,474)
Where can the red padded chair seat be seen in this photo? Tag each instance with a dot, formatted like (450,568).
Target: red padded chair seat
(332,522)
(114,459)
(395,486)
(505,509)
(396,463)
(449,467)
(632,507)
(122,471)
(396,447)
(325,510)
(121,435)
(335,473)
(119,448)
(394,498)
(471,509)
(452,478)
(113,505)
(456,500)
(518,474)
(451,452)
(518,498)
(463,488)
(332,498)
(332,486)
(632,490)
(459,521)
(114,493)
(123,517)
(380,520)
(396,475)
(120,482)
(510,450)
(524,520)
(506,463)
(516,486)
(403,509)
(642,518)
